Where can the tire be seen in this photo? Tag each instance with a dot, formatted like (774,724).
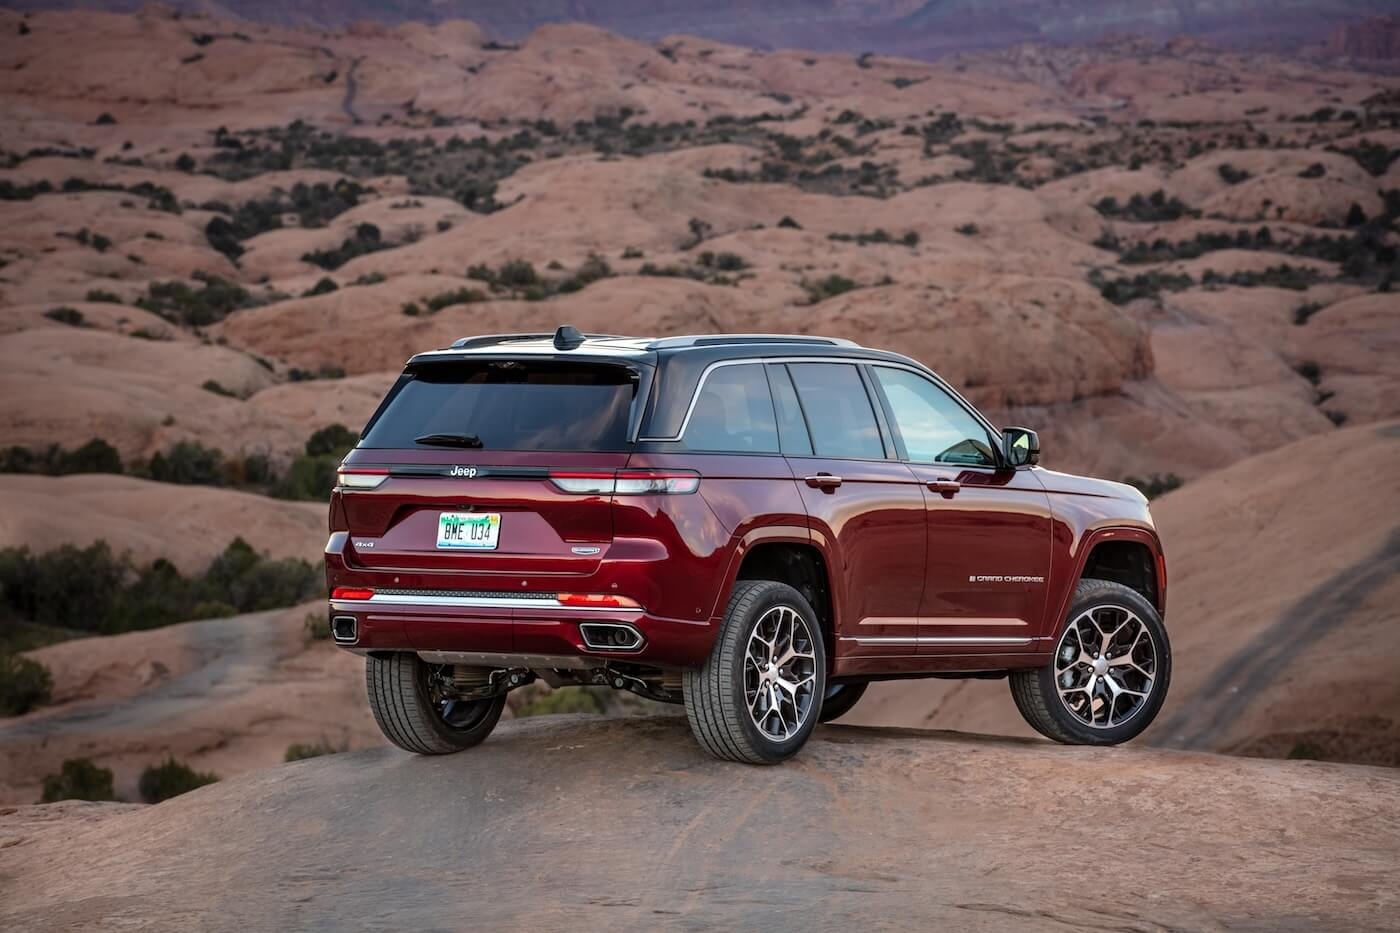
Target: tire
(840,698)
(409,717)
(717,694)
(1120,710)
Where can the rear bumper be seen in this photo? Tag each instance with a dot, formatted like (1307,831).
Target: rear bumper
(503,627)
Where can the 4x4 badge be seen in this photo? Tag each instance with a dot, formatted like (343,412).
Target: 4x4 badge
(468,471)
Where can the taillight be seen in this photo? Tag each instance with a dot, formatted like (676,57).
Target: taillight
(351,592)
(359,478)
(597,601)
(626,482)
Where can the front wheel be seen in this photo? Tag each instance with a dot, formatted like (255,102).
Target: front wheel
(1110,673)
(415,715)
(757,697)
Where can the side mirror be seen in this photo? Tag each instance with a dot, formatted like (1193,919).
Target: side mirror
(1021,445)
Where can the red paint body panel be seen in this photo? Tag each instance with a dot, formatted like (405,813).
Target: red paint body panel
(920,579)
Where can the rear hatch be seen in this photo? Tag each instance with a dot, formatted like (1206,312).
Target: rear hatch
(472,466)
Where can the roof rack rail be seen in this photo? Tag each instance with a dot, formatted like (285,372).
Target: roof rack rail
(716,340)
(491,340)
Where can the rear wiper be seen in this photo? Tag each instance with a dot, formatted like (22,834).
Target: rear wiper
(450,440)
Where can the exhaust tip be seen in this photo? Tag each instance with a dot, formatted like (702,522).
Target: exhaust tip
(345,630)
(610,636)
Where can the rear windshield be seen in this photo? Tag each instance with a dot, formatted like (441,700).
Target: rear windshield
(508,405)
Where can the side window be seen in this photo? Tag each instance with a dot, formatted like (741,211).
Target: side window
(838,411)
(933,426)
(734,413)
(792,427)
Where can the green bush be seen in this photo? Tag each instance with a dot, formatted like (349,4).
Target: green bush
(91,590)
(170,778)
(96,456)
(1155,485)
(828,287)
(24,684)
(188,463)
(66,315)
(335,439)
(78,779)
(323,287)
(182,304)
(317,626)
(365,240)
(300,751)
(566,700)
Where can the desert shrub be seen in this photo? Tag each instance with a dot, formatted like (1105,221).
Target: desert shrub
(182,304)
(66,315)
(567,700)
(1296,278)
(92,590)
(96,456)
(1231,175)
(1154,485)
(1150,285)
(460,296)
(1310,371)
(78,779)
(300,751)
(829,287)
(188,463)
(336,439)
(102,295)
(325,286)
(311,476)
(1338,418)
(724,262)
(1305,311)
(967,229)
(1316,170)
(317,626)
(365,240)
(1375,158)
(1154,208)
(213,385)
(24,684)
(1355,216)
(517,273)
(170,778)
(789,224)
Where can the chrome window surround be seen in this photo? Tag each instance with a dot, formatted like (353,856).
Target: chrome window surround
(848,360)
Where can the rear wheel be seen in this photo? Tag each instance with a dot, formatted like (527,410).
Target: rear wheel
(1110,673)
(839,700)
(757,697)
(413,712)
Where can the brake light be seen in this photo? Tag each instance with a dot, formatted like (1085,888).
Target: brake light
(360,478)
(597,601)
(351,592)
(626,482)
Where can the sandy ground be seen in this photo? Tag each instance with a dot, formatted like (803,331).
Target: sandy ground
(628,825)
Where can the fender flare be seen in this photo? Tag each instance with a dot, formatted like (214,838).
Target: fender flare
(776,534)
(1092,539)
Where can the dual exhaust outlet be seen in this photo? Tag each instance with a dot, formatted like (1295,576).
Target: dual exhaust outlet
(598,636)
(610,636)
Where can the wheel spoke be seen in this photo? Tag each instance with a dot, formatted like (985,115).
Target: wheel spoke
(1104,666)
(780,676)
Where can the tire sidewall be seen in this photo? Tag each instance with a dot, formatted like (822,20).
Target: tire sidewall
(1157,632)
(739,629)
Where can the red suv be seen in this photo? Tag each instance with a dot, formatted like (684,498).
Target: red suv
(753,526)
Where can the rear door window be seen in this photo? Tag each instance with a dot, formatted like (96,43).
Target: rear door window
(838,411)
(733,413)
(508,405)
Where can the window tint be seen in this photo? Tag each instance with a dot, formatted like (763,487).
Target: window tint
(933,426)
(509,405)
(838,411)
(792,429)
(734,413)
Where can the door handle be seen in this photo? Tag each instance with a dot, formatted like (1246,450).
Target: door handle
(947,487)
(824,481)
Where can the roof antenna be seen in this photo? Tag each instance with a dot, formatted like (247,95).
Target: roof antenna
(567,338)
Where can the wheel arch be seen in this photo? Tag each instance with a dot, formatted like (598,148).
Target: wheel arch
(1128,555)
(787,555)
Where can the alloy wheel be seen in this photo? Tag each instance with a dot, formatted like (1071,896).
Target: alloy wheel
(780,673)
(1105,666)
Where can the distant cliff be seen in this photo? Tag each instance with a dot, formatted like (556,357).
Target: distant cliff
(918,28)
(1373,40)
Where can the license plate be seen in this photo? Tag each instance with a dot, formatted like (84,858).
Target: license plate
(472,531)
